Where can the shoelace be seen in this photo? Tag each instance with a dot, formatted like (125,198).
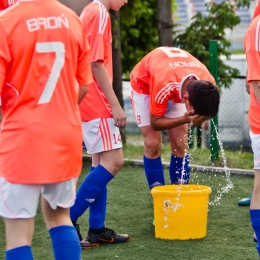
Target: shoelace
(111,231)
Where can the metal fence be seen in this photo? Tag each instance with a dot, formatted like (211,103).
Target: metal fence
(233,128)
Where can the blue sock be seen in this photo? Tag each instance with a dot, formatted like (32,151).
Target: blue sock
(65,243)
(154,172)
(177,166)
(21,253)
(255,219)
(97,211)
(89,190)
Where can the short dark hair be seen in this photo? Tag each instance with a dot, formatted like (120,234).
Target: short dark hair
(204,96)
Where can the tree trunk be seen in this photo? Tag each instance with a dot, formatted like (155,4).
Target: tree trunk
(76,5)
(165,24)
(117,65)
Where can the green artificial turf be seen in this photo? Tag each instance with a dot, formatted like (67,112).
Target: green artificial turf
(129,210)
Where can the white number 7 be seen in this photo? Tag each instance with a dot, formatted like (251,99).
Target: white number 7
(59,49)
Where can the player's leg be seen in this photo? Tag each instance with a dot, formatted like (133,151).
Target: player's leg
(19,233)
(98,233)
(103,138)
(179,164)
(18,206)
(152,140)
(255,201)
(152,157)
(55,202)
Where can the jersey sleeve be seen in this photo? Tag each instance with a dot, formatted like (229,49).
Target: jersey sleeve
(159,97)
(96,43)
(84,73)
(5,57)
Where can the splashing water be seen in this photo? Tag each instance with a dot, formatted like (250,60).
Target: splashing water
(229,184)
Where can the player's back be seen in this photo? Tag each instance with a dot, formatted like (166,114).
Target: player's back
(166,65)
(43,38)
(40,92)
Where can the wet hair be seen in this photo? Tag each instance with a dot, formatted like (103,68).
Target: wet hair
(204,96)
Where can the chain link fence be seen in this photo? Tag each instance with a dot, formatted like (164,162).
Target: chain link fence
(233,128)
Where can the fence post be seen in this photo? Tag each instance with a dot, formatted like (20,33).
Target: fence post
(214,146)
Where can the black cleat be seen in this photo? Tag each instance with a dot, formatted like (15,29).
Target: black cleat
(107,237)
(85,245)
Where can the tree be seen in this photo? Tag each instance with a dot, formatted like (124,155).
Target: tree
(165,22)
(139,32)
(202,29)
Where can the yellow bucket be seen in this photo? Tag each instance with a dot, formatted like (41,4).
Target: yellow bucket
(181,211)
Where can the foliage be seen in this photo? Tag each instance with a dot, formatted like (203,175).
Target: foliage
(139,32)
(202,29)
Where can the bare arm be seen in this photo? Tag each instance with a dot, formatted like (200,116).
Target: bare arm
(82,92)
(247,85)
(159,123)
(101,76)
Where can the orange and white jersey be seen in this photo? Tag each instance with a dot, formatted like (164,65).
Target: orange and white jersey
(44,58)
(6,3)
(257,10)
(252,50)
(96,21)
(161,74)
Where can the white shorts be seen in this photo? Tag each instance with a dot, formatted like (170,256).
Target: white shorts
(141,106)
(255,144)
(21,201)
(101,135)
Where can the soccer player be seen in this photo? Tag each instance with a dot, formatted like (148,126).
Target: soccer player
(102,116)
(252,50)
(44,73)
(165,83)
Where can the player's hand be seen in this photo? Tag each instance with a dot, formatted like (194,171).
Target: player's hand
(198,120)
(119,116)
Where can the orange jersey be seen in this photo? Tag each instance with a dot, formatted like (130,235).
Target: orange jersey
(44,58)
(161,74)
(6,3)
(257,9)
(252,50)
(96,21)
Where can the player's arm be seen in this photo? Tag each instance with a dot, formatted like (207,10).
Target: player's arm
(100,73)
(159,123)
(256,88)
(82,93)
(247,85)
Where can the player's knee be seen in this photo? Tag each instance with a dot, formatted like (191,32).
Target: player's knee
(119,164)
(152,148)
